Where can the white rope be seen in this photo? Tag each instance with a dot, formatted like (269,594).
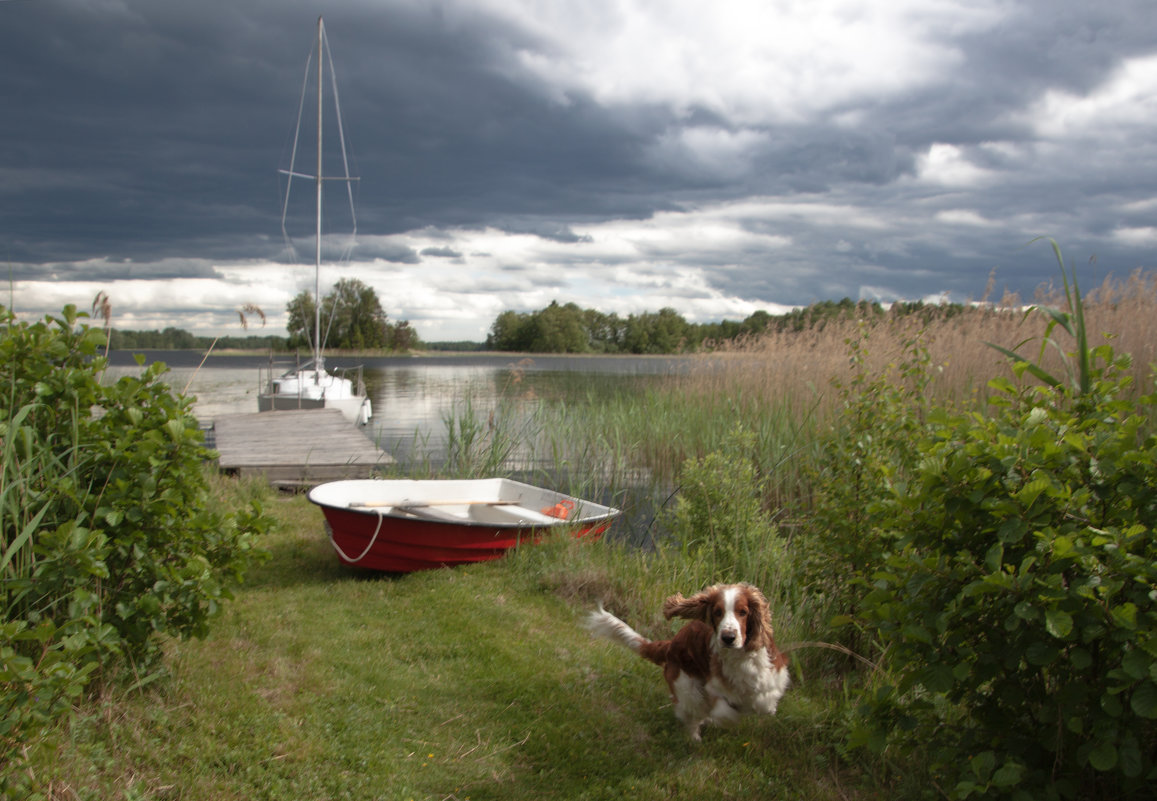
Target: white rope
(341,136)
(292,173)
(362,555)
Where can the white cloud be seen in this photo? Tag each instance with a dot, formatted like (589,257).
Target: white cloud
(196,304)
(713,152)
(947,165)
(749,60)
(1144,237)
(1146,206)
(963,217)
(1123,104)
(816,210)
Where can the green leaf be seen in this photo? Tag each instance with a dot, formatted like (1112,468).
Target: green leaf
(1026,611)
(1103,756)
(1009,774)
(1063,548)
(937,678)
(994,557)
(1021,363)
(1111,704)
(982,765)
(1080,659)
(175,429)
(1031,491)
(1125,615)
(1136,664)
(1058,623)
(22,539)
(1041,653)
(1144,700)
(1012,530)
(1132,761)
(916,632)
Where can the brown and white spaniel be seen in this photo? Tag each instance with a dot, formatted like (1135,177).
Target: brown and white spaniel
(722,664)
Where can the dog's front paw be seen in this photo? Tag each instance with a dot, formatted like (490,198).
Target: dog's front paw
(724,713)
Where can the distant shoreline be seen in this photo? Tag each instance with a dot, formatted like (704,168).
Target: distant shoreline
(253,359)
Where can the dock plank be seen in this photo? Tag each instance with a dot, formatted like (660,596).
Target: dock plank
(296,448)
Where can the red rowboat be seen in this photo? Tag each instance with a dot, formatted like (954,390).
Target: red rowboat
(400,526)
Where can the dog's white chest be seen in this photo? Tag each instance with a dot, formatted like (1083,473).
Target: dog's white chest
(750,682)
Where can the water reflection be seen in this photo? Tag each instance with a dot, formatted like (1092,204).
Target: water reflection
(412,404)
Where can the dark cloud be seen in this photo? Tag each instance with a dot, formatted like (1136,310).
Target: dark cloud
(441,253)
(142,140)
(109,269)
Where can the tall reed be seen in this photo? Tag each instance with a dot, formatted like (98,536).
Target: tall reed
(798,368)
(29,469)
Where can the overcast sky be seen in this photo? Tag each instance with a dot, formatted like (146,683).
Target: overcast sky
(713,156)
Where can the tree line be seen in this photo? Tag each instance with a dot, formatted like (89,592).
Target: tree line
(352,318)
(569,329)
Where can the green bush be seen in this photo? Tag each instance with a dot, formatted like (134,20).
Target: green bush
(723,531)
(108,537)
(865,456)
(1020,604)
(1018,601)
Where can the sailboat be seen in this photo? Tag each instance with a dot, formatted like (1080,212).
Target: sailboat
(309,385)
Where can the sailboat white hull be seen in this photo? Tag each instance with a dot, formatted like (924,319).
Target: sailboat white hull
(316,389)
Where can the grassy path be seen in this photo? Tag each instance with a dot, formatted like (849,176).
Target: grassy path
(322,683)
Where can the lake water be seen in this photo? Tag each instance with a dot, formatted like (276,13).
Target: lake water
(413,397)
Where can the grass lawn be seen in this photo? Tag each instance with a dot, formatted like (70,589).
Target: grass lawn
(319,682)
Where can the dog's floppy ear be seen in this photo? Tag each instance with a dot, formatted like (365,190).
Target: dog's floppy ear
(758,619)
(693,608)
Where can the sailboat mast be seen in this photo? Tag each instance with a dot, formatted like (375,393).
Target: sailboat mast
(317,245)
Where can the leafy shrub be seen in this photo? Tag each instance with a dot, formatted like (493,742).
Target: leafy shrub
(1019,604)
(865,456)
(719,520)
(1019,600)
(108,536)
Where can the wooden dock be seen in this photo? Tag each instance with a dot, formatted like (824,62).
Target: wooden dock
(298,448)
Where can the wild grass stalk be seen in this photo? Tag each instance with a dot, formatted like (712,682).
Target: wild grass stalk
(21,462)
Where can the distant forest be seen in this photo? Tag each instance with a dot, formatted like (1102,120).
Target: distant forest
(180,339)
(570,329)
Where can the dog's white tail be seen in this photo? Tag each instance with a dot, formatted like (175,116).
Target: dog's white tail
(602,623)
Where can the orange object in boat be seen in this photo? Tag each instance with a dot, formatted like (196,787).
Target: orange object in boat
(561,510)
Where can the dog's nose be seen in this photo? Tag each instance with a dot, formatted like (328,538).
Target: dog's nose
(727,637)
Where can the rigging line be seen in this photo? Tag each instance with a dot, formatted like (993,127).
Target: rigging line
(329,323)
(341,134)
(291,173)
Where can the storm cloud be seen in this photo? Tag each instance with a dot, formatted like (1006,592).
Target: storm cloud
(717,158)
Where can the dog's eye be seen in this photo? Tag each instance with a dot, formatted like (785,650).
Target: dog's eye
(742,613)
(717,613)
